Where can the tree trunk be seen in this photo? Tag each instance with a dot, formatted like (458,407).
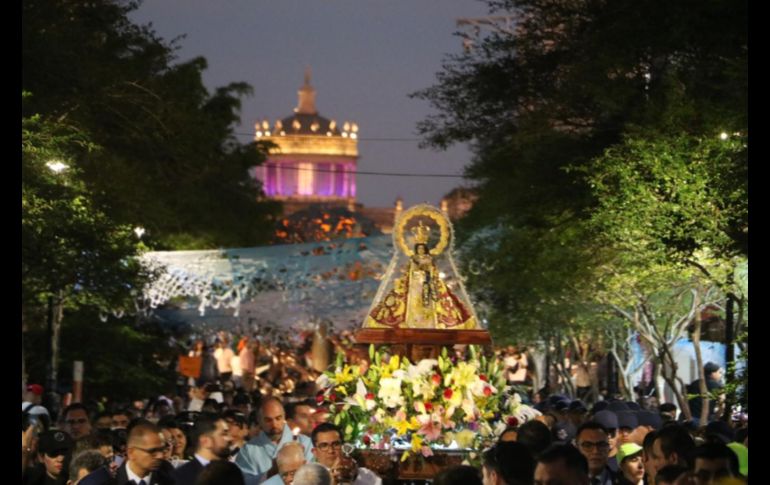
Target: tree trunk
(669,368)
(703,390)
(55,316)
(729,350)
(657,380)
(564,373)
(612,383)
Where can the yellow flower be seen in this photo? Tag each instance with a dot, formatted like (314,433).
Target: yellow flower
(488,415)
(423,388)
(344,375)
(463,375)
(416,443)
(456,399)
(395,363)
(402,427)
(465,438)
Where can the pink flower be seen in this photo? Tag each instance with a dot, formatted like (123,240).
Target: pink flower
(426,451)
(431,430)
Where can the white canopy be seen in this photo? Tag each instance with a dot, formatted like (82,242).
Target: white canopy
(285,285)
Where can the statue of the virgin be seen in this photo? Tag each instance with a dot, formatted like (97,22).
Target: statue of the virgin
(422,288)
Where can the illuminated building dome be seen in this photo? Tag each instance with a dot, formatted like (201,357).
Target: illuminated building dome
(314,160)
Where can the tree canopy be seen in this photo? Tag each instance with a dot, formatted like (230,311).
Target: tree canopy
(585,93)
(118,135)
(169,160)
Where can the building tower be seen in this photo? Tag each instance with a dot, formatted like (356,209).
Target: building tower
(314,160)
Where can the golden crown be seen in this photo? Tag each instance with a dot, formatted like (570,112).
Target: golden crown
(421,233)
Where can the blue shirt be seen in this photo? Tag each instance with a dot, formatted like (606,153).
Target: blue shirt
(256,456)
(274,480)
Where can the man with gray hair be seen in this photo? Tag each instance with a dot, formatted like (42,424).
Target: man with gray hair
(313,474)
(289,459)
(88,466)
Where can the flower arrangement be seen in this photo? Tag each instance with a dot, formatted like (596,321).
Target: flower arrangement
(444,403)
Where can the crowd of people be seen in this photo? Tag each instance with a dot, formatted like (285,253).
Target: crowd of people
(250,417)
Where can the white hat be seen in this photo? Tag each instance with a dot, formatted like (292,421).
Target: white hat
(36,409)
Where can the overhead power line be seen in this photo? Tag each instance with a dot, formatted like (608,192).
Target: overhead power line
(389,174)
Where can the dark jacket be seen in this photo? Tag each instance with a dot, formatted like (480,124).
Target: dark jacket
(696,403)
(608,477)
(188,473)
(161,476)
(209,369)
(37,476)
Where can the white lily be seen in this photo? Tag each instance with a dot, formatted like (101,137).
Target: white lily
(390,392)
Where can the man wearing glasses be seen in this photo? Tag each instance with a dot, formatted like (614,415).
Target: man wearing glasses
(592,440)
(145,451)
(76,421)
(327,450)
(238,428)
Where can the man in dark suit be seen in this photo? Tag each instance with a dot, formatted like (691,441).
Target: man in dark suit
(212,439)
(144,464)
(592,440)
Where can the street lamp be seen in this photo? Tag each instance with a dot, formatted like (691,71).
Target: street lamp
(56,166)
(55,310)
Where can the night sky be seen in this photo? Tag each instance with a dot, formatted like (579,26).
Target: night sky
(366,57)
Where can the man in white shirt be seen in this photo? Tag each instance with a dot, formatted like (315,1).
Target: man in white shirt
(224,355)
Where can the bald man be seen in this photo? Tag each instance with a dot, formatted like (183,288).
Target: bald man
(256,457)
(290,458)
(144,463)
